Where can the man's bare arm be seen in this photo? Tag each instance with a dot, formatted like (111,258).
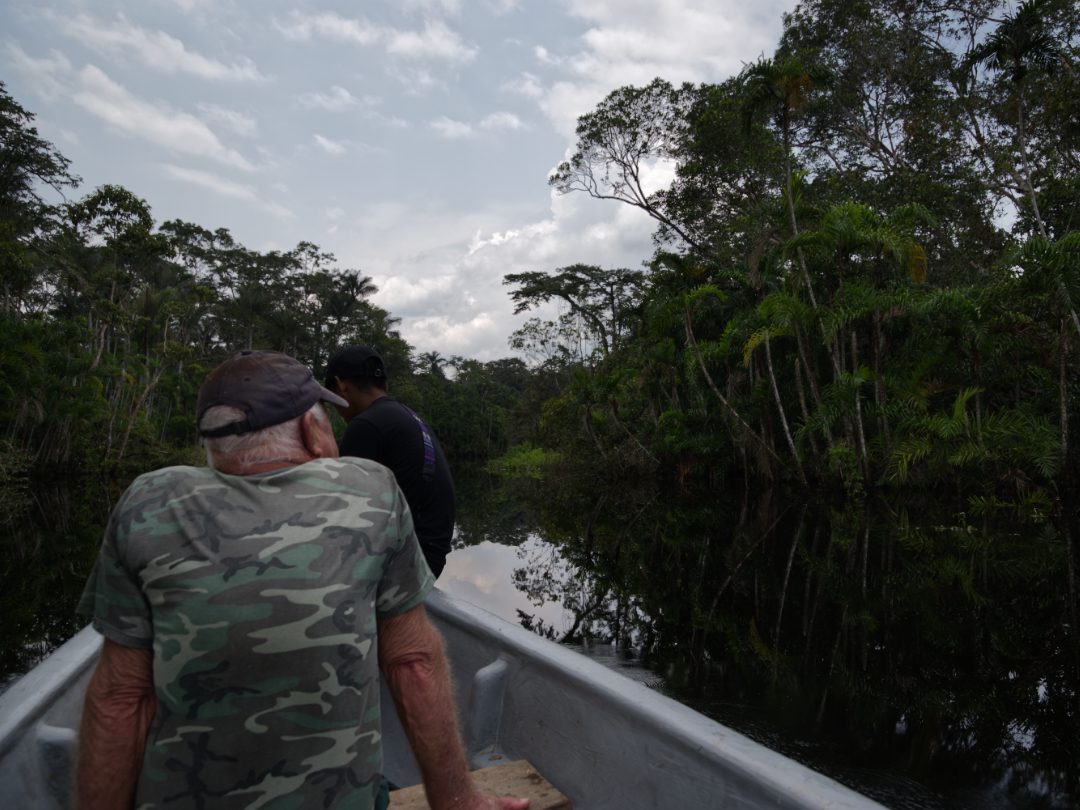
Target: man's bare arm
(112,737)
(414,664)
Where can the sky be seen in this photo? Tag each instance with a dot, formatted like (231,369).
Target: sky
(412,139)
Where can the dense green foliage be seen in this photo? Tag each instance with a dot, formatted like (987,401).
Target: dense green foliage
(866,265)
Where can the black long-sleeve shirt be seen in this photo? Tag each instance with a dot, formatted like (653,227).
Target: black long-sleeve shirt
(391,434)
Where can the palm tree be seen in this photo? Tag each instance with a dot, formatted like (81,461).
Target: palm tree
(780,87)
(858,243)
(433,363)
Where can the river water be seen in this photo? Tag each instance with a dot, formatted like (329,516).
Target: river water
(921,652)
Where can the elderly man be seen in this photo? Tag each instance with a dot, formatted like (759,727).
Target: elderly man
(247,610)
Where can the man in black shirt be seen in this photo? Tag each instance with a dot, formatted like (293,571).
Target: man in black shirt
(382,429)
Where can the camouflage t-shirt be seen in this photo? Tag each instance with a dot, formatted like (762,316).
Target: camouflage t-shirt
(258,595)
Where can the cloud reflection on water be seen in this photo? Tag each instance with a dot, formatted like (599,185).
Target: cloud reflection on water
(482,575)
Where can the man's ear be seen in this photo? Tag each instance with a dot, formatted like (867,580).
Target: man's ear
(317,437)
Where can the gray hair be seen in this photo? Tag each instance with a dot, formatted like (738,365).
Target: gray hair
(282,442)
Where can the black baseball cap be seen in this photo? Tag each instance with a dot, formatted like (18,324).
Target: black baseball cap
(354,362)
(269,387)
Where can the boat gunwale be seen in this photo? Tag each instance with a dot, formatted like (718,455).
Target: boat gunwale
(30,697)
(683,727)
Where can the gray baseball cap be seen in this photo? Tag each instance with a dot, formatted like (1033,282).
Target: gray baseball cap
(269,387)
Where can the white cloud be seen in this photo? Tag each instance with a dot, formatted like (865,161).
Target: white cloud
(448,6)
(434,41)
(525,85)
(447,288)
(155,49)
(213,182)
(631,42)
(331,26)
(334,100)
(93,90)
(192,5)
(543,55)
(155,123)
(339,99)
(496,239)
(238,122)
(449,128)
(329,146)
(656,176)
(48,76)
(416,80)
(339,146)
(441,331)
(225,188)
(389,120)
(501,121)
(566,100)
(416,292)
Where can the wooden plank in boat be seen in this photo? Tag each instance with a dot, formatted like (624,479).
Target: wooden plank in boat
(517,778)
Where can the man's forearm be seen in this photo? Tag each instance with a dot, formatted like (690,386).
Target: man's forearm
(420,683)
(116,717)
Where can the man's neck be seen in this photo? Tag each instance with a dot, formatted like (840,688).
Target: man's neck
(366,399)
(255,468)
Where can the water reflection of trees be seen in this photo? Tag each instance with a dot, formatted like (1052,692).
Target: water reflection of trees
(492,511)
(933,640)
(49,537)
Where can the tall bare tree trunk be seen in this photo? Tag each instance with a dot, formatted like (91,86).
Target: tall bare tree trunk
(1027,166)
(832,668)
(780,409)
(150,385)
(1063,394)
(860,433)
(1074,614)
(783,596)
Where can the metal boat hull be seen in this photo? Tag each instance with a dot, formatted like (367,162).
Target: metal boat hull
(605,741)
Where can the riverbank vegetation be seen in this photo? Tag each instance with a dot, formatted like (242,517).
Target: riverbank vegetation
(867,269)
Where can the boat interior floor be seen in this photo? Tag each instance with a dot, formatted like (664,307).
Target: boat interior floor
(517,778)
